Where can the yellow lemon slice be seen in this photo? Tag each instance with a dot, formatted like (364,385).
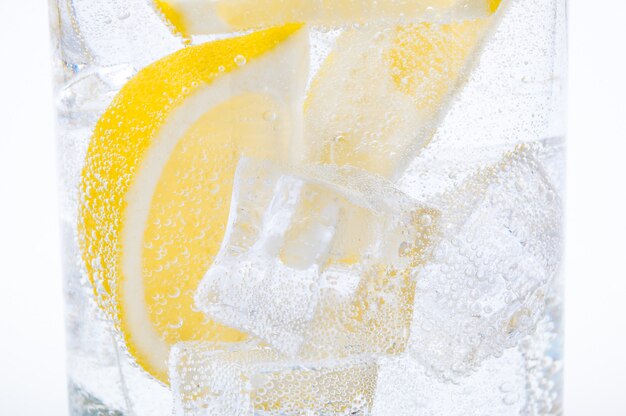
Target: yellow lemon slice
(173,16)
(214,16)
(379,95)
(156,186)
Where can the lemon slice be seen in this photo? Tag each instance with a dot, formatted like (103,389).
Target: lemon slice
(379,95)
(173,16)
(214,16)
(157,182)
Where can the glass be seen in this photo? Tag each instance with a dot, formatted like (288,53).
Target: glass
(312,208)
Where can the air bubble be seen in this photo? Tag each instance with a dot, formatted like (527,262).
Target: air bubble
(174,294)
(270,116)
(506,387)
(404,249)
(510,399)
(177,324)
(427,220)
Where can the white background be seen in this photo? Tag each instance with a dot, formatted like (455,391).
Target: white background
(32,378)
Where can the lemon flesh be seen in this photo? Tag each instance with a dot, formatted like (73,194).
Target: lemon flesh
(215,16)
(173,16)
(156,186)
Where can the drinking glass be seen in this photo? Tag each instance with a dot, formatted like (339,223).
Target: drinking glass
(304,207)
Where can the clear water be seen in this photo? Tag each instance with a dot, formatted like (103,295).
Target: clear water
(463,356)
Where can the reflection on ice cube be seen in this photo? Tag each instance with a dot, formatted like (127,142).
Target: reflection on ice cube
(318,263)
(485,286)
(242,380)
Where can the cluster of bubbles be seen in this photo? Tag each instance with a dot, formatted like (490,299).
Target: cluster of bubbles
(319,265)
(241,380)
(484,288)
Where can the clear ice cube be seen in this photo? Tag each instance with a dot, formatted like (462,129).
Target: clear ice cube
(244,380)
(318,263)
(485,286)
(406,388)
(115,31)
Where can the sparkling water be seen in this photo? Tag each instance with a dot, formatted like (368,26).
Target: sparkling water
(418,276)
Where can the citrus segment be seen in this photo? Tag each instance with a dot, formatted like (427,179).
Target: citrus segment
(216,16)
(155,189)
(378,96)
(172,15)
(179,239)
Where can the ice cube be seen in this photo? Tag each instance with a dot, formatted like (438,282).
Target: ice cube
(526,380)
(115,31)
(437,169)
(406,388)
(318,262)
(244,380)
(484,288)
